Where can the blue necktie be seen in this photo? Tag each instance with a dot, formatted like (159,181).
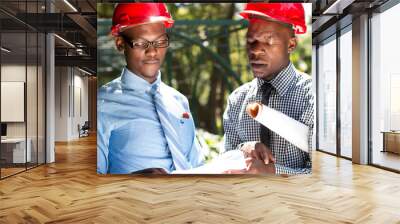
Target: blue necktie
(179,159)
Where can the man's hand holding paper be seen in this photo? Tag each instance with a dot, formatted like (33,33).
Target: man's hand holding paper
(258,150)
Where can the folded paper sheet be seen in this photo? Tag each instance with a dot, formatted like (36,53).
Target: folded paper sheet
(288,128)
(229,160)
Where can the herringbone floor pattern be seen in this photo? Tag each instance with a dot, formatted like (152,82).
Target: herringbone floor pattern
(70,191)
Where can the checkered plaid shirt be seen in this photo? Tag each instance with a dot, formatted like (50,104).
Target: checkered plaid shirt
(291,95)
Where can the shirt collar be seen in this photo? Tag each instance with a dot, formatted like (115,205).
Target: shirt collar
(282,81)
(134,82)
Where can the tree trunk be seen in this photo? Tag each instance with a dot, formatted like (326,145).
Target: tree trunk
(216,99)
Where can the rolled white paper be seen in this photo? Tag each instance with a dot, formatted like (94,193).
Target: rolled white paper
(288,128)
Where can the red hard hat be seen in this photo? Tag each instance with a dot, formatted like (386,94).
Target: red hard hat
(133,14)
(291,13)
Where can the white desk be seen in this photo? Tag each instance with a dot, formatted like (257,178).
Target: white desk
(18,149)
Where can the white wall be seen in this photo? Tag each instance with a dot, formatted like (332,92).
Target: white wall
(70,83)
(15,73)
(33,127)
(61,103)
(80,115)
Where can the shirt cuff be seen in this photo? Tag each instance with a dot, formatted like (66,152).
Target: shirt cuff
(280,169)
(239,146)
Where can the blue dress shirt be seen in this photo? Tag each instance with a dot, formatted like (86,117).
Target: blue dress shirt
(131,136)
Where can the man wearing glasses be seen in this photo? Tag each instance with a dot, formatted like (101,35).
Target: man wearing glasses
(144,126)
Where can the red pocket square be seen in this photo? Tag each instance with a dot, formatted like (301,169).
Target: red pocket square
(185,115)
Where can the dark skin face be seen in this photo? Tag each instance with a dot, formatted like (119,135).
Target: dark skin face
(269,44)
(144,63)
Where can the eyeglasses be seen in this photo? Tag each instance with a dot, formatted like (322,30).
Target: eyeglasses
(144,45)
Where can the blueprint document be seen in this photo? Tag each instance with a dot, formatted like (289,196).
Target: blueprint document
(229,160)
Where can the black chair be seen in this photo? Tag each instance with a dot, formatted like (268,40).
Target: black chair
(84,130)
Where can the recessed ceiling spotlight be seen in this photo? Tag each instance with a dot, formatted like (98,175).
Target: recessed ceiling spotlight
(5,49)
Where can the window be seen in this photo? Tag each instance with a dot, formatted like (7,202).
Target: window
(22,76)
(346,74)
(385,89)
(327,95)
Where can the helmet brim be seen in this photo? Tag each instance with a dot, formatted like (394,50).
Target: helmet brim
(168,23)
(246,14)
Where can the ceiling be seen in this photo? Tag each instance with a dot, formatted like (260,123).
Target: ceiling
(329,15)
(74,21)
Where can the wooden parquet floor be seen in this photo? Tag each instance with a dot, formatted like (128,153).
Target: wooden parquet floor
(70,191)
